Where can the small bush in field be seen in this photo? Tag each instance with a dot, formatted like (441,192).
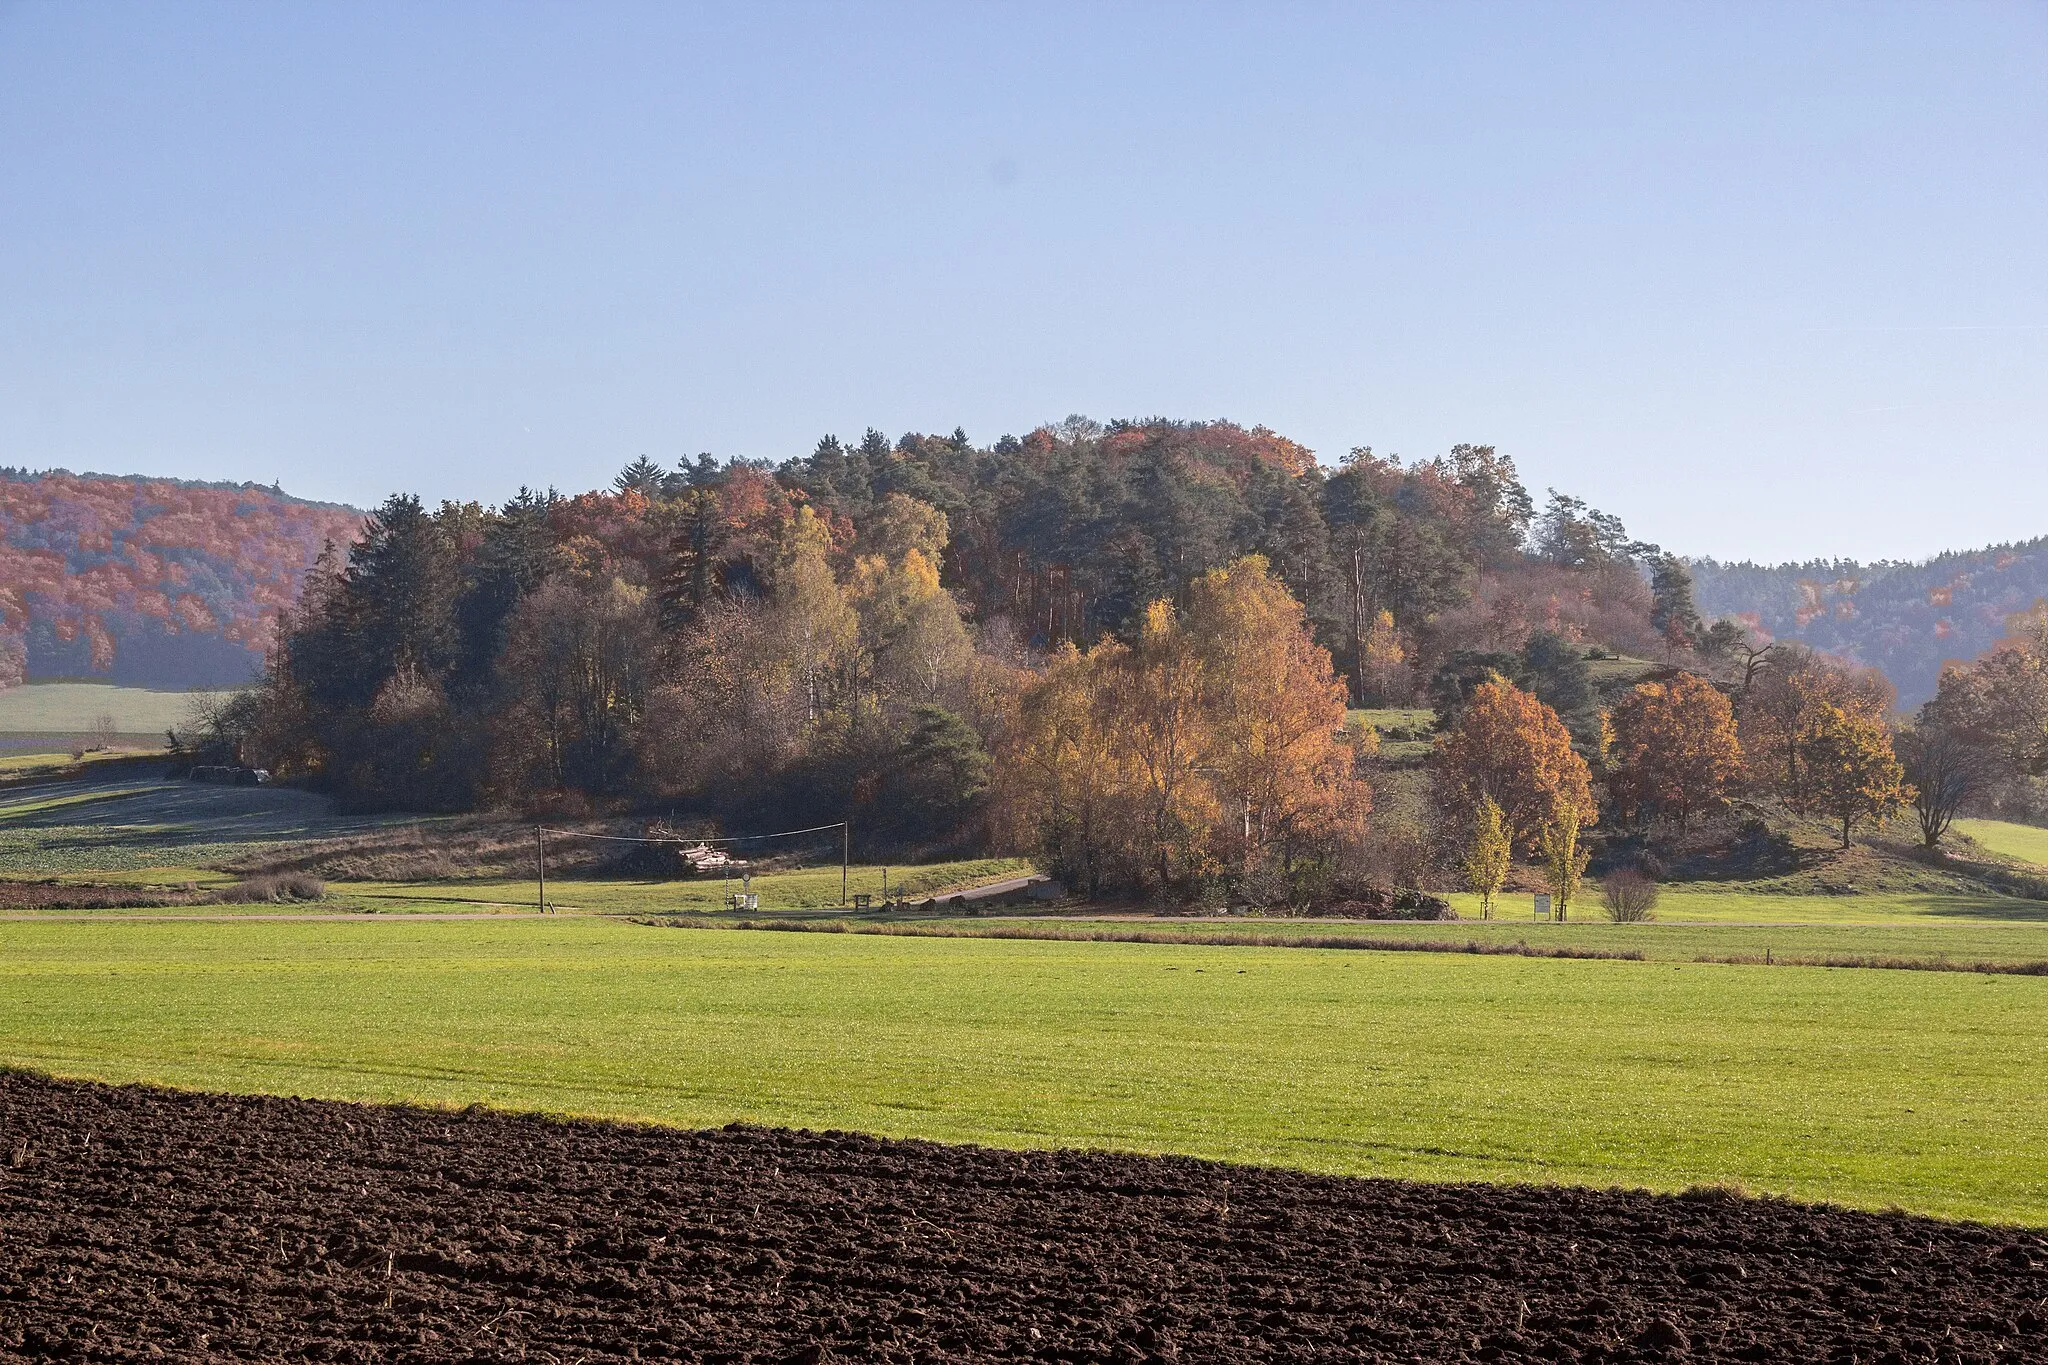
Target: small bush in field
(282,888)
(1371,902)
(1629,895)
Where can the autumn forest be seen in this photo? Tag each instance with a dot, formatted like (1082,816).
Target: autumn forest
(1172,660)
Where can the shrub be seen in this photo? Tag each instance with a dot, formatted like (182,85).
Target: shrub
(2030,885)
(1378,903)
(280,889)
(1629,895)
(1400,845)
(1410,903)
(1263,886)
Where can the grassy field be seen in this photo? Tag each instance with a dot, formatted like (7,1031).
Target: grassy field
(1733,903)
(46,800)
(1618,670)
(74,708)
(41,762)
(803,890)
(126,818)
(1957,943)
(1394,717)
(127,825)
(814,895)
(1407,734)
(813,888)
(2028,843)
(1870,1088)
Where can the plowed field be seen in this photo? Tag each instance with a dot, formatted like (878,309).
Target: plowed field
(145,1224)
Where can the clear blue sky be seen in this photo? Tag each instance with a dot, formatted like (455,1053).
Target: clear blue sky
(1767,280)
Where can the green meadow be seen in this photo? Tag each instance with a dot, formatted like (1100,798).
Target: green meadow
(793,891)
(1870,1088)
(1735,903)
(801,889)
(67,708)
(1928,942)
(2028,843)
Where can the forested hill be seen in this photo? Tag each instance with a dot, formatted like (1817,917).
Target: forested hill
(154,582)
(1905,619)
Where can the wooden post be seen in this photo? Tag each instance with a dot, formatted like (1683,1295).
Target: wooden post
(540,865)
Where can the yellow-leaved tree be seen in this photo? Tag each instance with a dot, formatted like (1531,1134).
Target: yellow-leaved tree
(1564,860)
(1059,778)
(813,623)
(1779,710)
(1158,711)
(1277,710)
(914,650)
(1852,773)
(1383,663)
(1492,851)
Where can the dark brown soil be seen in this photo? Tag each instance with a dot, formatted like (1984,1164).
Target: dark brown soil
(140,1224)
(55,895)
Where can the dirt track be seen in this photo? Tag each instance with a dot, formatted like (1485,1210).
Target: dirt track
(140,1224)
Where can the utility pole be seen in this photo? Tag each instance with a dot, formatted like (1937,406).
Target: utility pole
(845,857)
(540,864)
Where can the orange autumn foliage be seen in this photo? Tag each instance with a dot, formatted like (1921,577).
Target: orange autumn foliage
(1216,741)
(1852,772)
(1675,753)
(1277,706)
(1779,710)
(1509,746)
(119,563)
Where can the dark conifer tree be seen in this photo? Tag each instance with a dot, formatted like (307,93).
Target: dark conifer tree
(642,476)
(1672,610)
(516,554)
(398,596)
(1555,670)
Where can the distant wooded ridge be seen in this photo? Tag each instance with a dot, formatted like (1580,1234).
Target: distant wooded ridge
(154,582)
(1905,619)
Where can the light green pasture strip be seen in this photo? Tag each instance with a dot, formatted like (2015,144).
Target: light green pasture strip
(14,764)
(67,708)
(151,876)
(815,888)
(26,765)
(1661,942)
(2028,843)
(1385,717)
(38,805)
(1731,904)
(1870,1088)
(807,890)
(89,852)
